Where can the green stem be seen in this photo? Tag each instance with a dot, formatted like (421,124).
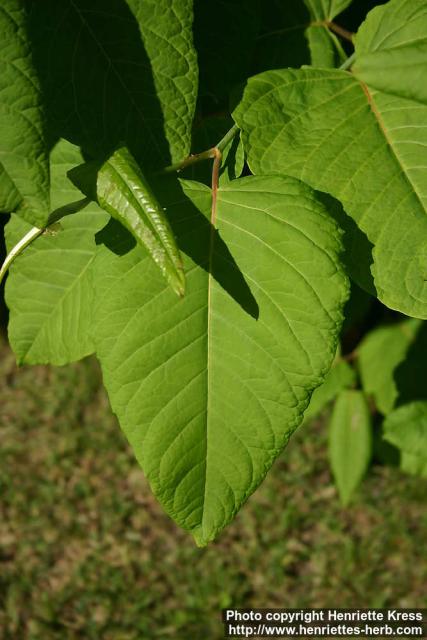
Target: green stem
(227,138)
(35,232)
(209,154)
(189,160)
(340,31)
(29,237)
(347,64)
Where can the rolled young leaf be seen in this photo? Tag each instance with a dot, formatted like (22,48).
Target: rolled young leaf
(121,189)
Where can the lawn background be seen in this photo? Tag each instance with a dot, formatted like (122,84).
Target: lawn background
(86,552)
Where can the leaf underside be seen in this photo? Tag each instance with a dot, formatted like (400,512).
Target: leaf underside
(366,147)
(49,289)
(208,389)
(24,170)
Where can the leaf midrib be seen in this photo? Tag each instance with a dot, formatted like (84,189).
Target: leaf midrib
(208,347)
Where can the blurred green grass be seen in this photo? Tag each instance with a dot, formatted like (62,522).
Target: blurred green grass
(86,552)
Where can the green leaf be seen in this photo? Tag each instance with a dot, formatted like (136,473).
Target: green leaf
(140,86)
(325,48)
(350,442)
(49,288)
(341,376)
(24,171)
(413,464)
(379,355)
(367,149)
(391,49)
(208,389)
(9,196)
(120,188)
(326,9)
(167,33)
(406,429)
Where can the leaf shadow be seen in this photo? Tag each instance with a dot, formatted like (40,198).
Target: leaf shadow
(411,375)
(357,256)
(195,236)
(96,79)
(282,40)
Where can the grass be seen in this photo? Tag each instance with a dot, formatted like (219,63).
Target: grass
(86,552)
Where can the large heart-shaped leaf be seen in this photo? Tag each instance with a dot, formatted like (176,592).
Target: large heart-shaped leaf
(49,288)
(208,389)
(24,171)
(365,147)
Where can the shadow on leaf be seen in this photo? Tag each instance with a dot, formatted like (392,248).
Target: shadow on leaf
(86,56)
(357,257)
(195,236)
(411,375)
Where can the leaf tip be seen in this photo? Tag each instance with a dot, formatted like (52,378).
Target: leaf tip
(178,283)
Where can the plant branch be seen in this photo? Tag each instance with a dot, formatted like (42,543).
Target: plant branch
(340,31)
(209,154)
(215,180)
(190,160)
(227,138)
(32,234)
(35,232)
(214,153)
